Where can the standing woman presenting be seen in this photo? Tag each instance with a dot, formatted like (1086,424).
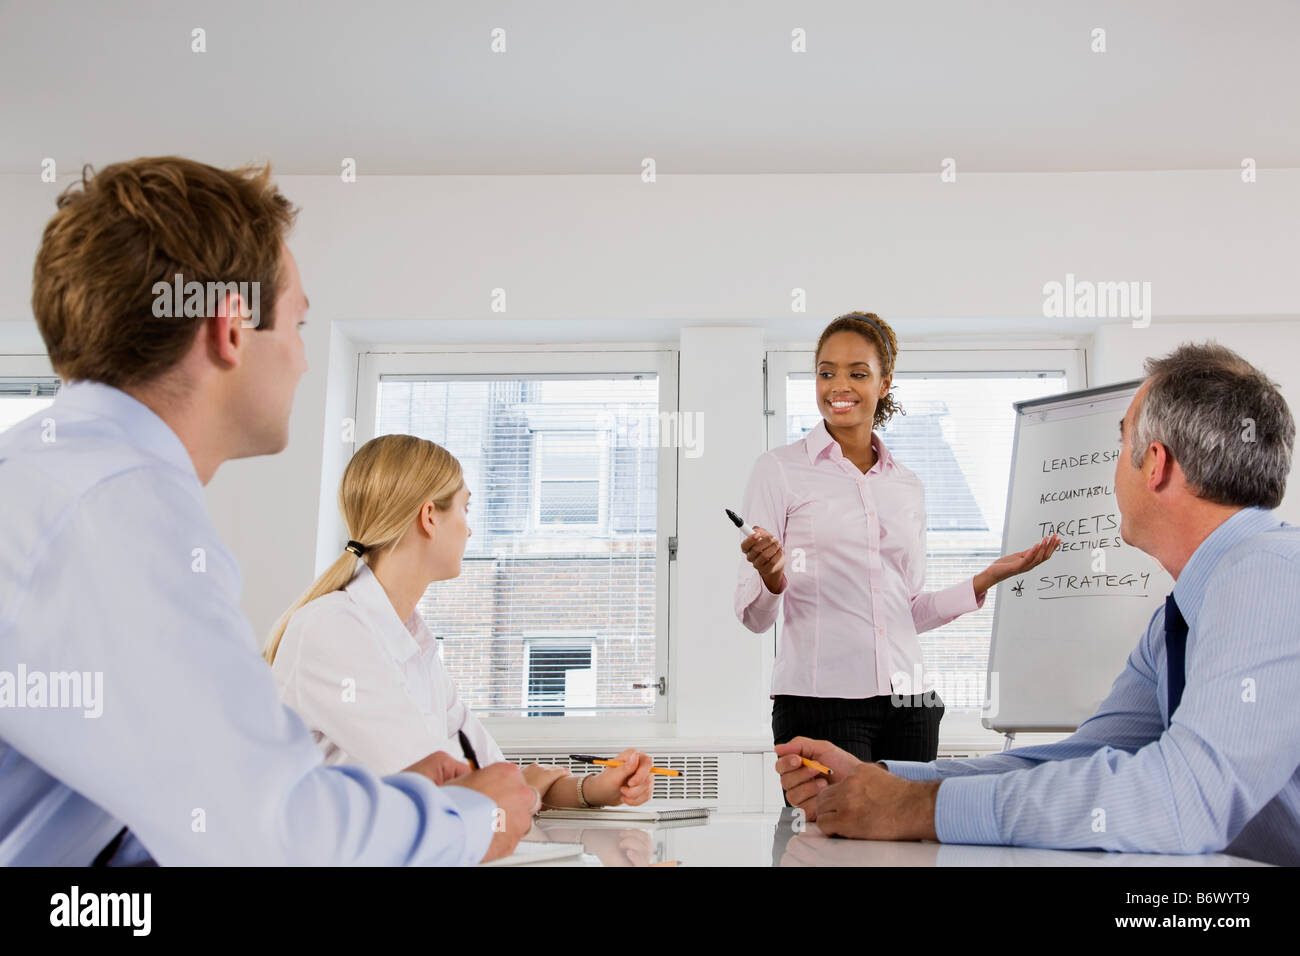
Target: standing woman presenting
(852,521)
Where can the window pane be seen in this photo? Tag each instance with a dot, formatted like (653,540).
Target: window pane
(564,480)
(569,502)
(570,455)
(957,436)
(556,675)
(17,401)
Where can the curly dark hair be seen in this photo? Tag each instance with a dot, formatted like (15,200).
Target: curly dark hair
(881,337)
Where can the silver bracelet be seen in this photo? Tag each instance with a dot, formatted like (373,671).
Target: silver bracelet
(581,799)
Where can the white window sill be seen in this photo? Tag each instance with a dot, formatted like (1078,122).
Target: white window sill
(568,735)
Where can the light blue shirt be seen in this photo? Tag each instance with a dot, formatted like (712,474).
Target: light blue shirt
(1223,776)
(111,566)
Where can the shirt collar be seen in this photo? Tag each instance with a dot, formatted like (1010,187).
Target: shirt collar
(365,589)
(140,424)
(819,440)
(1189,589)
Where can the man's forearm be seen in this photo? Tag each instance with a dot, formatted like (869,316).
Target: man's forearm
(918,819)
(922,827)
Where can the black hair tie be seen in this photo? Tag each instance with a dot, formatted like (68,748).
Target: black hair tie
(356,547)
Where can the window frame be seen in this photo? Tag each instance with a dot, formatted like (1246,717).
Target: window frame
(601,438)
(568,361)
(959,729)
(27,370)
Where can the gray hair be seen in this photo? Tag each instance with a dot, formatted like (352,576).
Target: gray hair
(1222,420)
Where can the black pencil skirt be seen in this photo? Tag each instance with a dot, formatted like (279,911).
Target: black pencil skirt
(905,727)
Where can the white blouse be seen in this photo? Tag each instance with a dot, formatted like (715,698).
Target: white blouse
(371,688)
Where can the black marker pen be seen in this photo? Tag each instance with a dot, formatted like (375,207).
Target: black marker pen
(739,522)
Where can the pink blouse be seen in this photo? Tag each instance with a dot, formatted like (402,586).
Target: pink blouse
(854,566)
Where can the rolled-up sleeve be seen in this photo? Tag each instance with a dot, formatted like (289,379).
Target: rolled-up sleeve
(765,507)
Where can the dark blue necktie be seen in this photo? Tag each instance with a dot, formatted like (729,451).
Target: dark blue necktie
(1175,652)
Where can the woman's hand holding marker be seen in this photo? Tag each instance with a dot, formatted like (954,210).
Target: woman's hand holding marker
(764,552)
(1010,565)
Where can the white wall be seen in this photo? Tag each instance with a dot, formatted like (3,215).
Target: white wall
(721,381)
(610,254)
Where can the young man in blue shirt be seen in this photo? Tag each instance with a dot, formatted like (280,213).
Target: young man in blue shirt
(113,572)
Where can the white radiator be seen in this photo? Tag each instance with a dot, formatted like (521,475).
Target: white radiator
(731,782)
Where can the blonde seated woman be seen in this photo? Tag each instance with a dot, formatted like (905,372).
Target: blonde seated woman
(356,661)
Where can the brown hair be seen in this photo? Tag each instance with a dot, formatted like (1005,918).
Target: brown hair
(138,223)
(878,333)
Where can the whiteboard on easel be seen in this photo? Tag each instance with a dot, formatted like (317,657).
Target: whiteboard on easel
(1063,632)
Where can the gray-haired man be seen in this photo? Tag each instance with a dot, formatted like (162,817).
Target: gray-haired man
(1197,747)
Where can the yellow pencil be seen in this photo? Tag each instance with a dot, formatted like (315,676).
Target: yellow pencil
(601,761)
(820,768)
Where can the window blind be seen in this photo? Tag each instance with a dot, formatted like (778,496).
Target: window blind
(563,471)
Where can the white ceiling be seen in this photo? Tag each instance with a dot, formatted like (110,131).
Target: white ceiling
(593,87)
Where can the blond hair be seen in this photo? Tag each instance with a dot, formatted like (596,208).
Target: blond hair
(384,486)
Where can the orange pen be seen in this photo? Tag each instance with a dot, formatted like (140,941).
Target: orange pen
(603,762)
(820,768)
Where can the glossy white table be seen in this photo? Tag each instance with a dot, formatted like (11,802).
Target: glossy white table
(765,839)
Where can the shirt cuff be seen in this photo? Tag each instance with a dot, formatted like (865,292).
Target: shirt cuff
(964,812)
(911,769)
(756,599)
(953,602)
(476,812)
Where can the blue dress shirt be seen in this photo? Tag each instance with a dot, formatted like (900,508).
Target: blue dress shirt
(111,566)
(1224,775)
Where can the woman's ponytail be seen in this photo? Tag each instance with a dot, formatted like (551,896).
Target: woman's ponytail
(336,577)
(384,486)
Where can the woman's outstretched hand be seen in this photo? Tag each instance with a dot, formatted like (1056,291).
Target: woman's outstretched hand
(1009,565)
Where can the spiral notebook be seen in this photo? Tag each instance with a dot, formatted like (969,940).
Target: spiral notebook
(626,814)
